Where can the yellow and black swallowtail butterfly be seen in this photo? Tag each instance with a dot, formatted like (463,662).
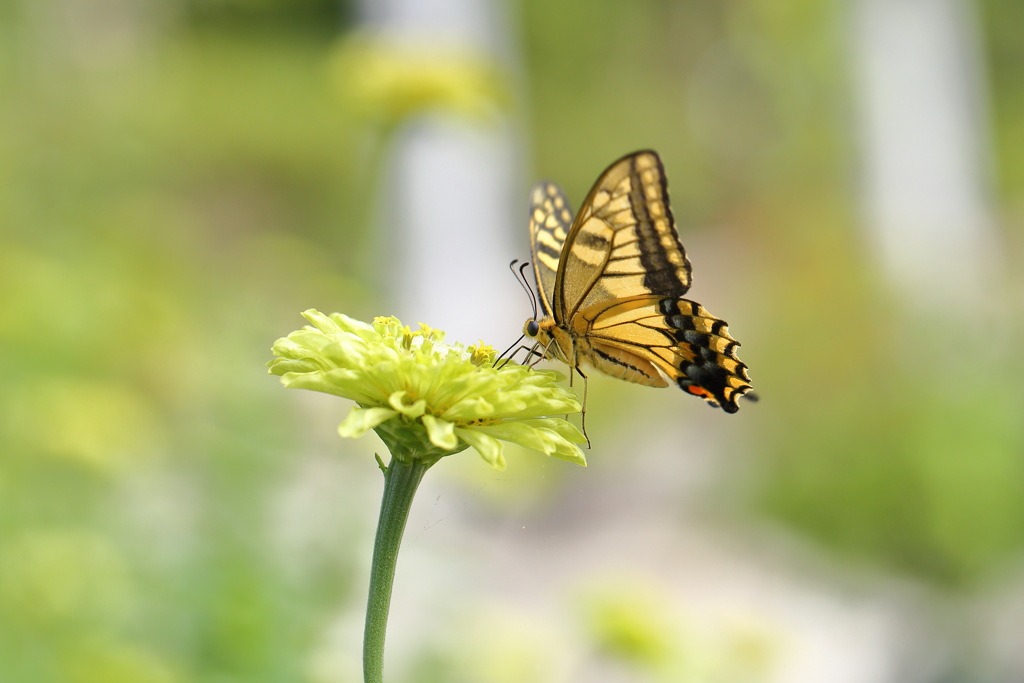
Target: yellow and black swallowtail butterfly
(611,281)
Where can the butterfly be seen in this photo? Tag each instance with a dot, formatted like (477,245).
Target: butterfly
(611,281)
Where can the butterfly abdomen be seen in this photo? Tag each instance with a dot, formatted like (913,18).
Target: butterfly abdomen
(624,365)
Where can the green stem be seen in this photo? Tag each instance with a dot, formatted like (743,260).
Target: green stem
(400,482)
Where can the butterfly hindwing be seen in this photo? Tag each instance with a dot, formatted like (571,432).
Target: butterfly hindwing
(623,242)
(550,220)
(678,337)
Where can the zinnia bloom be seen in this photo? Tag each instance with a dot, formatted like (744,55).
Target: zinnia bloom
(430,398)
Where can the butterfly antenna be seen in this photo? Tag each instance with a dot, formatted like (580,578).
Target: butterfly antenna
(526,283)
(521,279)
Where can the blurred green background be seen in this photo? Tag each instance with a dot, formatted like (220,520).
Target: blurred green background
(179,178)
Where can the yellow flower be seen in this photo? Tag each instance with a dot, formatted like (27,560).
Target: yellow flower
(388,82)
(428,398)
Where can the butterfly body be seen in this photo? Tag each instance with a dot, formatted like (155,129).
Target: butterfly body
(574,346)
(611,280)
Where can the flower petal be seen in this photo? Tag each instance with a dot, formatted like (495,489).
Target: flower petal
(440,432)
(281,366)
(569,452)
(362,420)
(488,447)
(536,434)
(322,322)
(344,383)
(564,429)
(469,409)
(346,323)
(412,410)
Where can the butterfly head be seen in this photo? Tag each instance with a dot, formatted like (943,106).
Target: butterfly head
(548,336)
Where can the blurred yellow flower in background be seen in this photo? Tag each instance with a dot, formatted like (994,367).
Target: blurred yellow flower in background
(388,82)
(102,425)
(65,574)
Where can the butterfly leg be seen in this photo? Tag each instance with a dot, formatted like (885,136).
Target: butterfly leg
(510,349)
(583,412)
(541,355)
(530,351)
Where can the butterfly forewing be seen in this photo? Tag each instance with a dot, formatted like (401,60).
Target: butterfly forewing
(550,220)
(623,241)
